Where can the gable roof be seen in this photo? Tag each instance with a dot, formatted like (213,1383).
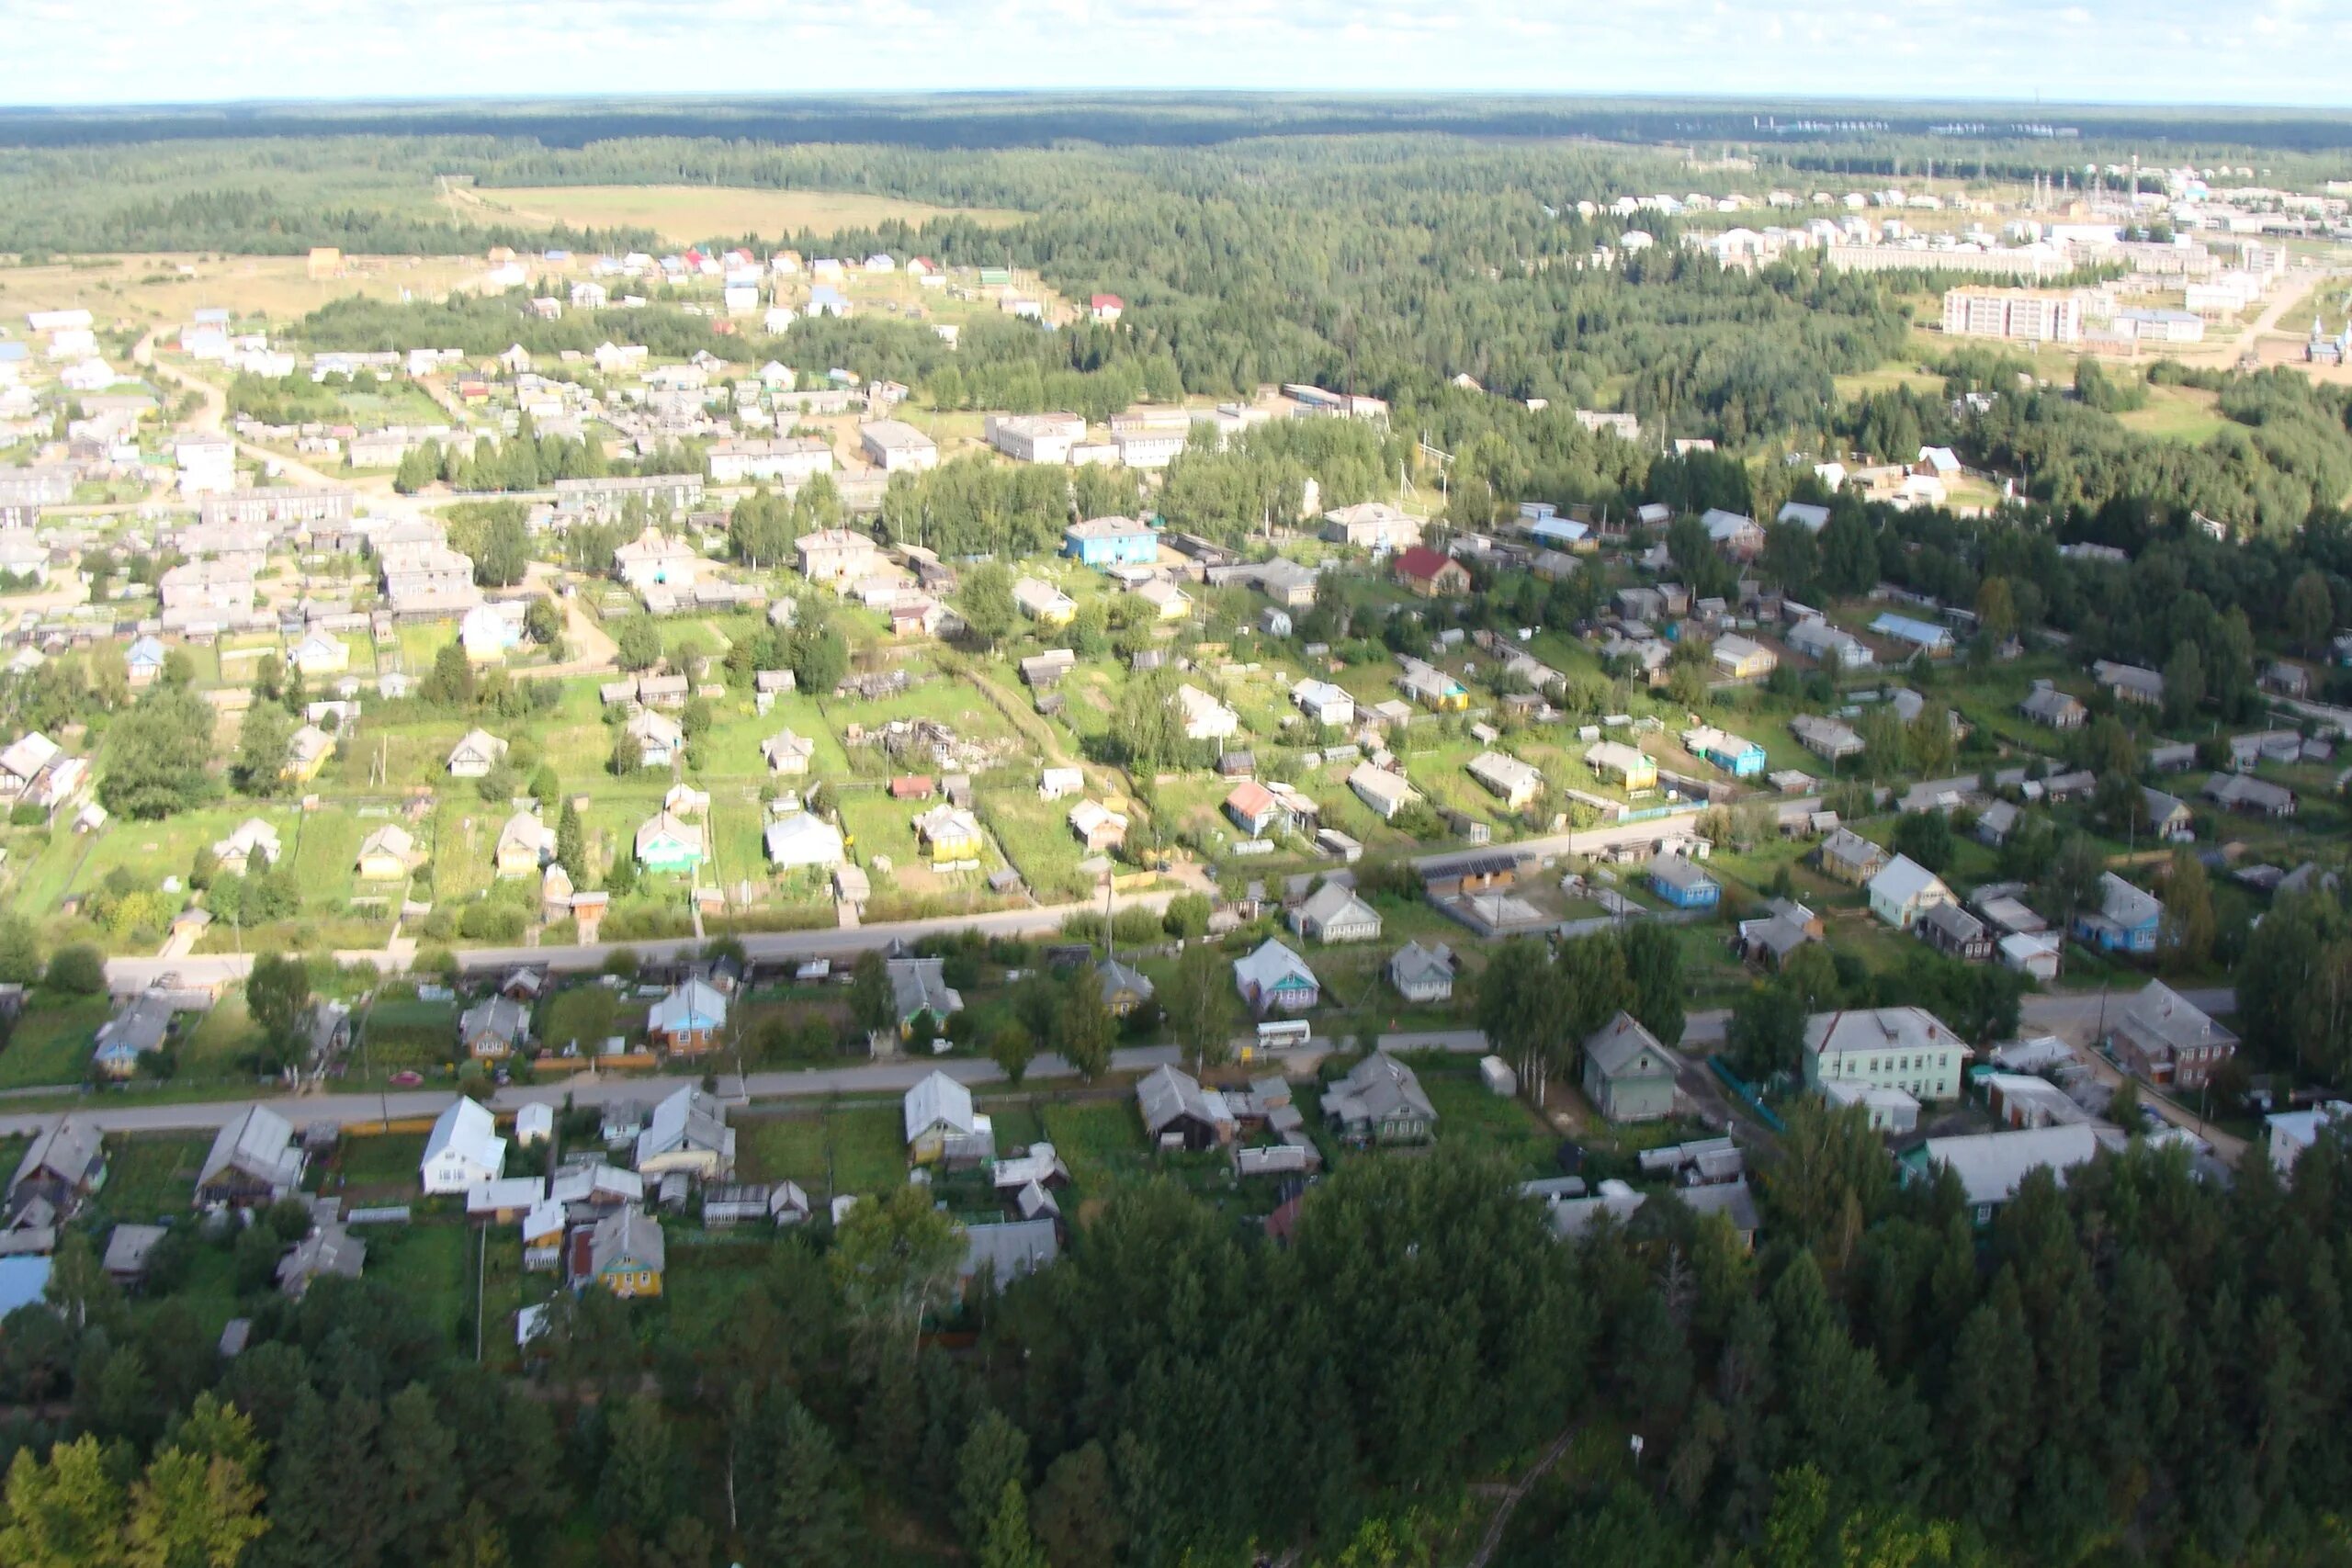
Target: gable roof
(1903,879)
(1166,1095)
(1272,964)
(937,1102)
(1620,1043)
(627,1236)
(693,1005)
(258,1144)
(687,1119)
(1421,563)
(1335,903)
(466,1130)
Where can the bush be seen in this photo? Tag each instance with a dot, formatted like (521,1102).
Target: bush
(490,921)
(80,969)
(27,814)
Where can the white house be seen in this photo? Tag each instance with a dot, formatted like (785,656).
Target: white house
(465,1150)
(1904,890)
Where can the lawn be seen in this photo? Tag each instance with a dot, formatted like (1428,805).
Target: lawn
(1470,1115)
(2186,414)
(221,1040)
(150,1179)
(846,1147)
(380,1159)
(705,1275)
(431,1266)
(50,1043)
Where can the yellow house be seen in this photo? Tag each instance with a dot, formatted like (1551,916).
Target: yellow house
(306,753)
(1742,658)
(1630,765)
(625,1254)
(523,844)
(950,833)
(388,855)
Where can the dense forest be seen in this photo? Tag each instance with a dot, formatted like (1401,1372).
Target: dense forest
(2135,1368)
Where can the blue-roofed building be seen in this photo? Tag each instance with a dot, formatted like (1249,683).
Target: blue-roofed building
(1918,634)
(14,353)
(825,299)
(1111,541)
(23,1281)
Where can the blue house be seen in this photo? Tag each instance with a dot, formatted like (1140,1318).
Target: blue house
(1111,541)
(2127,918)
(1683,884)
(1740,759)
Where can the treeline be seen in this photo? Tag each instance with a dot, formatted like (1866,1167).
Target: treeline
(2136,1357)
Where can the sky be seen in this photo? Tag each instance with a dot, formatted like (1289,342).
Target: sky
(2185,51)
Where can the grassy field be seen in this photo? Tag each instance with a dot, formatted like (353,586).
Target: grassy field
(150,1179)
(173,288)
(846,1147)
(382,1160)
(432,1267)
(50,1043)
(2177,413)
(682,214)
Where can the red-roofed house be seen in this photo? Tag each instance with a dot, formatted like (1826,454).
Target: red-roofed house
(1429,574)
(1107,307)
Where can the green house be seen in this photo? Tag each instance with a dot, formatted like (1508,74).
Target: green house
(665,843)
(1626,1074)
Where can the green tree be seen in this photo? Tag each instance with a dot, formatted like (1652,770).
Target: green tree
(1201,1006)
(572,845)
(66,1513)
(2309,613)
(277,995)
(871,1003)
(1187,916)
(810,1519)
(637,643)
(262,740)
(193,1511)
(450,681)
(502,551)
(1011,1048)
(2189,924)
(19,951)
(1077,1514)
(638,1477)
(421,1474)
(1084,1027)
(79,969)
(820,660)
(995,1455)
(894,1261)
(1766,1032)
(2184,685)
(1926,837)
(1008,1542)
(1654,965)
(986,603)
(156,757)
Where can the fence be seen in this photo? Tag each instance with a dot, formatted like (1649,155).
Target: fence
(1749,1096)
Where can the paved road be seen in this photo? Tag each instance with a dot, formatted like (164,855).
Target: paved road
(134,974)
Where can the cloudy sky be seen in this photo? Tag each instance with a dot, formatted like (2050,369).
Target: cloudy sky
(2239,52)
